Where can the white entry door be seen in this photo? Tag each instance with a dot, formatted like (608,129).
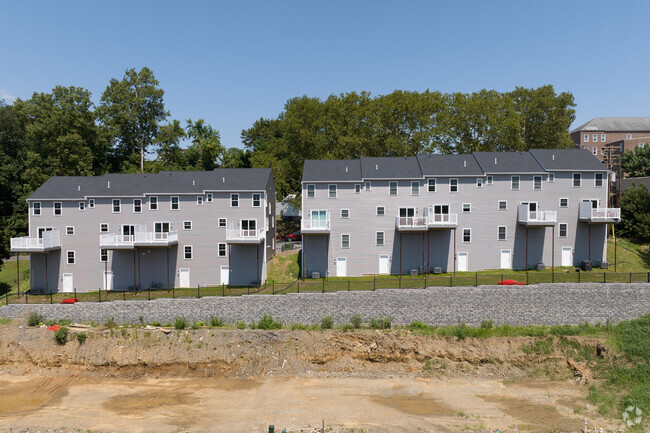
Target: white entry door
(225,275)
(184,277)
(567,256)
(462,262)
(505,259)
(108,280)
(68,285)
(342,267)
(384,263)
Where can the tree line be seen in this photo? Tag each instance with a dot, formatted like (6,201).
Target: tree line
(63,133)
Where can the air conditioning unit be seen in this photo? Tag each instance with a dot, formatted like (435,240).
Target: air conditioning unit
(315,275)
(604,265)
(437,270)
(413,272)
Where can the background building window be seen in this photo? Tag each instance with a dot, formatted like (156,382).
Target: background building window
(332,191)
(503,205)
(222,222)
(234,200)
(257,200)
(103,227)
(116,206)
(57,208)
(432,185)
(345,213)
(357,188)
(222,250)
(153,203)
(467,207)
(187,225)
(311,191)
(453,185)
(537,182)
(380,210)
(103,255)
(514,183)
(564,202)
(37,208)
(71,258)
(598,180)
(577,180)
(69,230)
(174,203)
(82,205)
(137,205)
(199,200)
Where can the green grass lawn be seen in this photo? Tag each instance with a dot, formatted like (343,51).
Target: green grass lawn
(8,276)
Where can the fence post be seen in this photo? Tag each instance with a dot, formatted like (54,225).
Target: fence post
(630,277)
(298,286)
(348,285)
(604,277)
(75,293)
(425,281)
(476,281)
(374,282)
(173,292)
(648,277)
(52,301)
(451,282)
(6,298)
(526,278)
(324,285)
(399,285)
(124,295)
(198,292)
(26,301)
(273,287)
(223,289)
(148,293)
(99,294)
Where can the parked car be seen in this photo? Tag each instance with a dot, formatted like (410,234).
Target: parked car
(295,236)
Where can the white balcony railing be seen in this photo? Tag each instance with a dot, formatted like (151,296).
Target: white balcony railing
(138,239)
(307,225)
(246,235)
(599,214)
(605,213)
(443,219)
(542,216)
(414,222)
(49,240)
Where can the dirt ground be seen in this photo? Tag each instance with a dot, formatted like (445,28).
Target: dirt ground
(153,380)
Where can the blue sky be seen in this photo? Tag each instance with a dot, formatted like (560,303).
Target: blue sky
(232,63)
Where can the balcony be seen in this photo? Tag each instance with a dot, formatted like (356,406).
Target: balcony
(315,226)
(236,235)
(411,224)
(50,241)
(598,215)
(535,218)
(443,221)
(138,239)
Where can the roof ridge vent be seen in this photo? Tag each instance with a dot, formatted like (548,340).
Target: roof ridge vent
(553,157)
(108,185)
(78,187)
(223,179)
(376,166)
(465,163)
(495,160)
(346,169)
(193,182)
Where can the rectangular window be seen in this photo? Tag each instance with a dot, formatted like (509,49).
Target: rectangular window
(379,238)
(311,190)
(116,206)
(332,191)
(537,182)
(467,235)
(432,185)
(174,203)
(595,138)
(595,150)
(467,207)
(551,177)
(479,182)
(153,203)
(71,257)
(257,200)
(199,200)
(563,230)
(187,225)
(392,188)
(188,252)
(208,197)
(57,208)
(598,180)
(586,148)
(36,208)
(357,188)
(103,255)
(380,210)
(367,185)
(514,183)
(564,202)
(222,222)
(577,180)
(453,185)
(345,241)
(603,137)
(503,205)
(82,205)
(137,205)
(223,252)
(69,230)
(586,138)
(345,213)
(629,136)
(103,227)
(415,188)
(234,200)
(502,233)
(490,180)
(91,203)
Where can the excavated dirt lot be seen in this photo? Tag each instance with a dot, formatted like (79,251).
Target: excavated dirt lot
(223,380)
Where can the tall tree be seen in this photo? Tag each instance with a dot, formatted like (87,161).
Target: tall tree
(206,151)
(170,155)
(132,108)
(635,214)
(637,162)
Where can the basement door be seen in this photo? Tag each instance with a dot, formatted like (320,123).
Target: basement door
(342,267)
(384,263)
(68,285)
(505,259)
(184,277)
(225,275)
(463,259)
(567,256)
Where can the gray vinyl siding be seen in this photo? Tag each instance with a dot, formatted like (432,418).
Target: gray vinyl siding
(420,250)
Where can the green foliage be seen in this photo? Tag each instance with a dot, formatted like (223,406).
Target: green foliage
(633,337)
(635,214)
(197,325)
(636,163)
(216,322)
(538,347)
(61,335)
(34,319)
(267,322)
(381,323)
(487,324)
(241,325)
(110,323)
(356,321)
(180,323)
(81,337)
(326,322)
(65,322)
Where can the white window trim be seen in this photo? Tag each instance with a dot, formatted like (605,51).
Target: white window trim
(463,236)
(489,180)
(231,199)
(479,182)
(82,206)
(54,208)
(499,207)
(157,202)
(329,191)
(602,180)
(512,178)
(108,227)
(541,183)
(66,230)
(119,205)
(629,136)
(368,185)
(171,203)
(383,239)
(187,221)
(225,249)
(91,203)
(377,211)
(357,188)
(603,138)
(551,177)
(225,223)
(341,213)
(134,200)
(462,208)
(506,233)
(456,179)
(586,138)
(259,199)
(199,200)
(40,208)
(185,252)
(67,257)
(559,203)
(313,190)
(594,138)
(100,256)
(429,185)
(413,183)
(349,241)
(573,180)
(396,188)
(559,230)
(208,197)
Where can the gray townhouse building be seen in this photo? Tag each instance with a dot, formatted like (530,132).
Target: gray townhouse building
(138,231)
(444,213)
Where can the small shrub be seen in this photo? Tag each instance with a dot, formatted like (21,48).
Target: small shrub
(326,322)
(61,335)
(216,322)
(155,323)
(110,323)
(299,327)
(539,347)
(383,323)
(34,319)
(5,320)
(487,324)
(50,322)
(65,322)
(460,331)
(241,325)
(124,332)
(356,321)
(346,327)
(427,365)
(267,322)
(180,323)
(81,337)
(197,325)
(417,325)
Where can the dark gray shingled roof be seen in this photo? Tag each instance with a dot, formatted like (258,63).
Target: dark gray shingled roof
(449,165)
(620,124)
(507,162)
(333,170)
(390,168)
(629,182)
(568,160)
(165,182)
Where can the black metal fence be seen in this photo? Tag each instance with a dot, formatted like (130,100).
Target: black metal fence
(324,285)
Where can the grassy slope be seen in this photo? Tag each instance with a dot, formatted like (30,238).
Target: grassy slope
(8,276)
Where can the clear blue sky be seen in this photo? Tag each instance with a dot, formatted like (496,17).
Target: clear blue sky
(232,63)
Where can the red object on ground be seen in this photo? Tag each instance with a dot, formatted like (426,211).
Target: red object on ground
(521,283)
(508,283)
(54,327)
(69,300)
